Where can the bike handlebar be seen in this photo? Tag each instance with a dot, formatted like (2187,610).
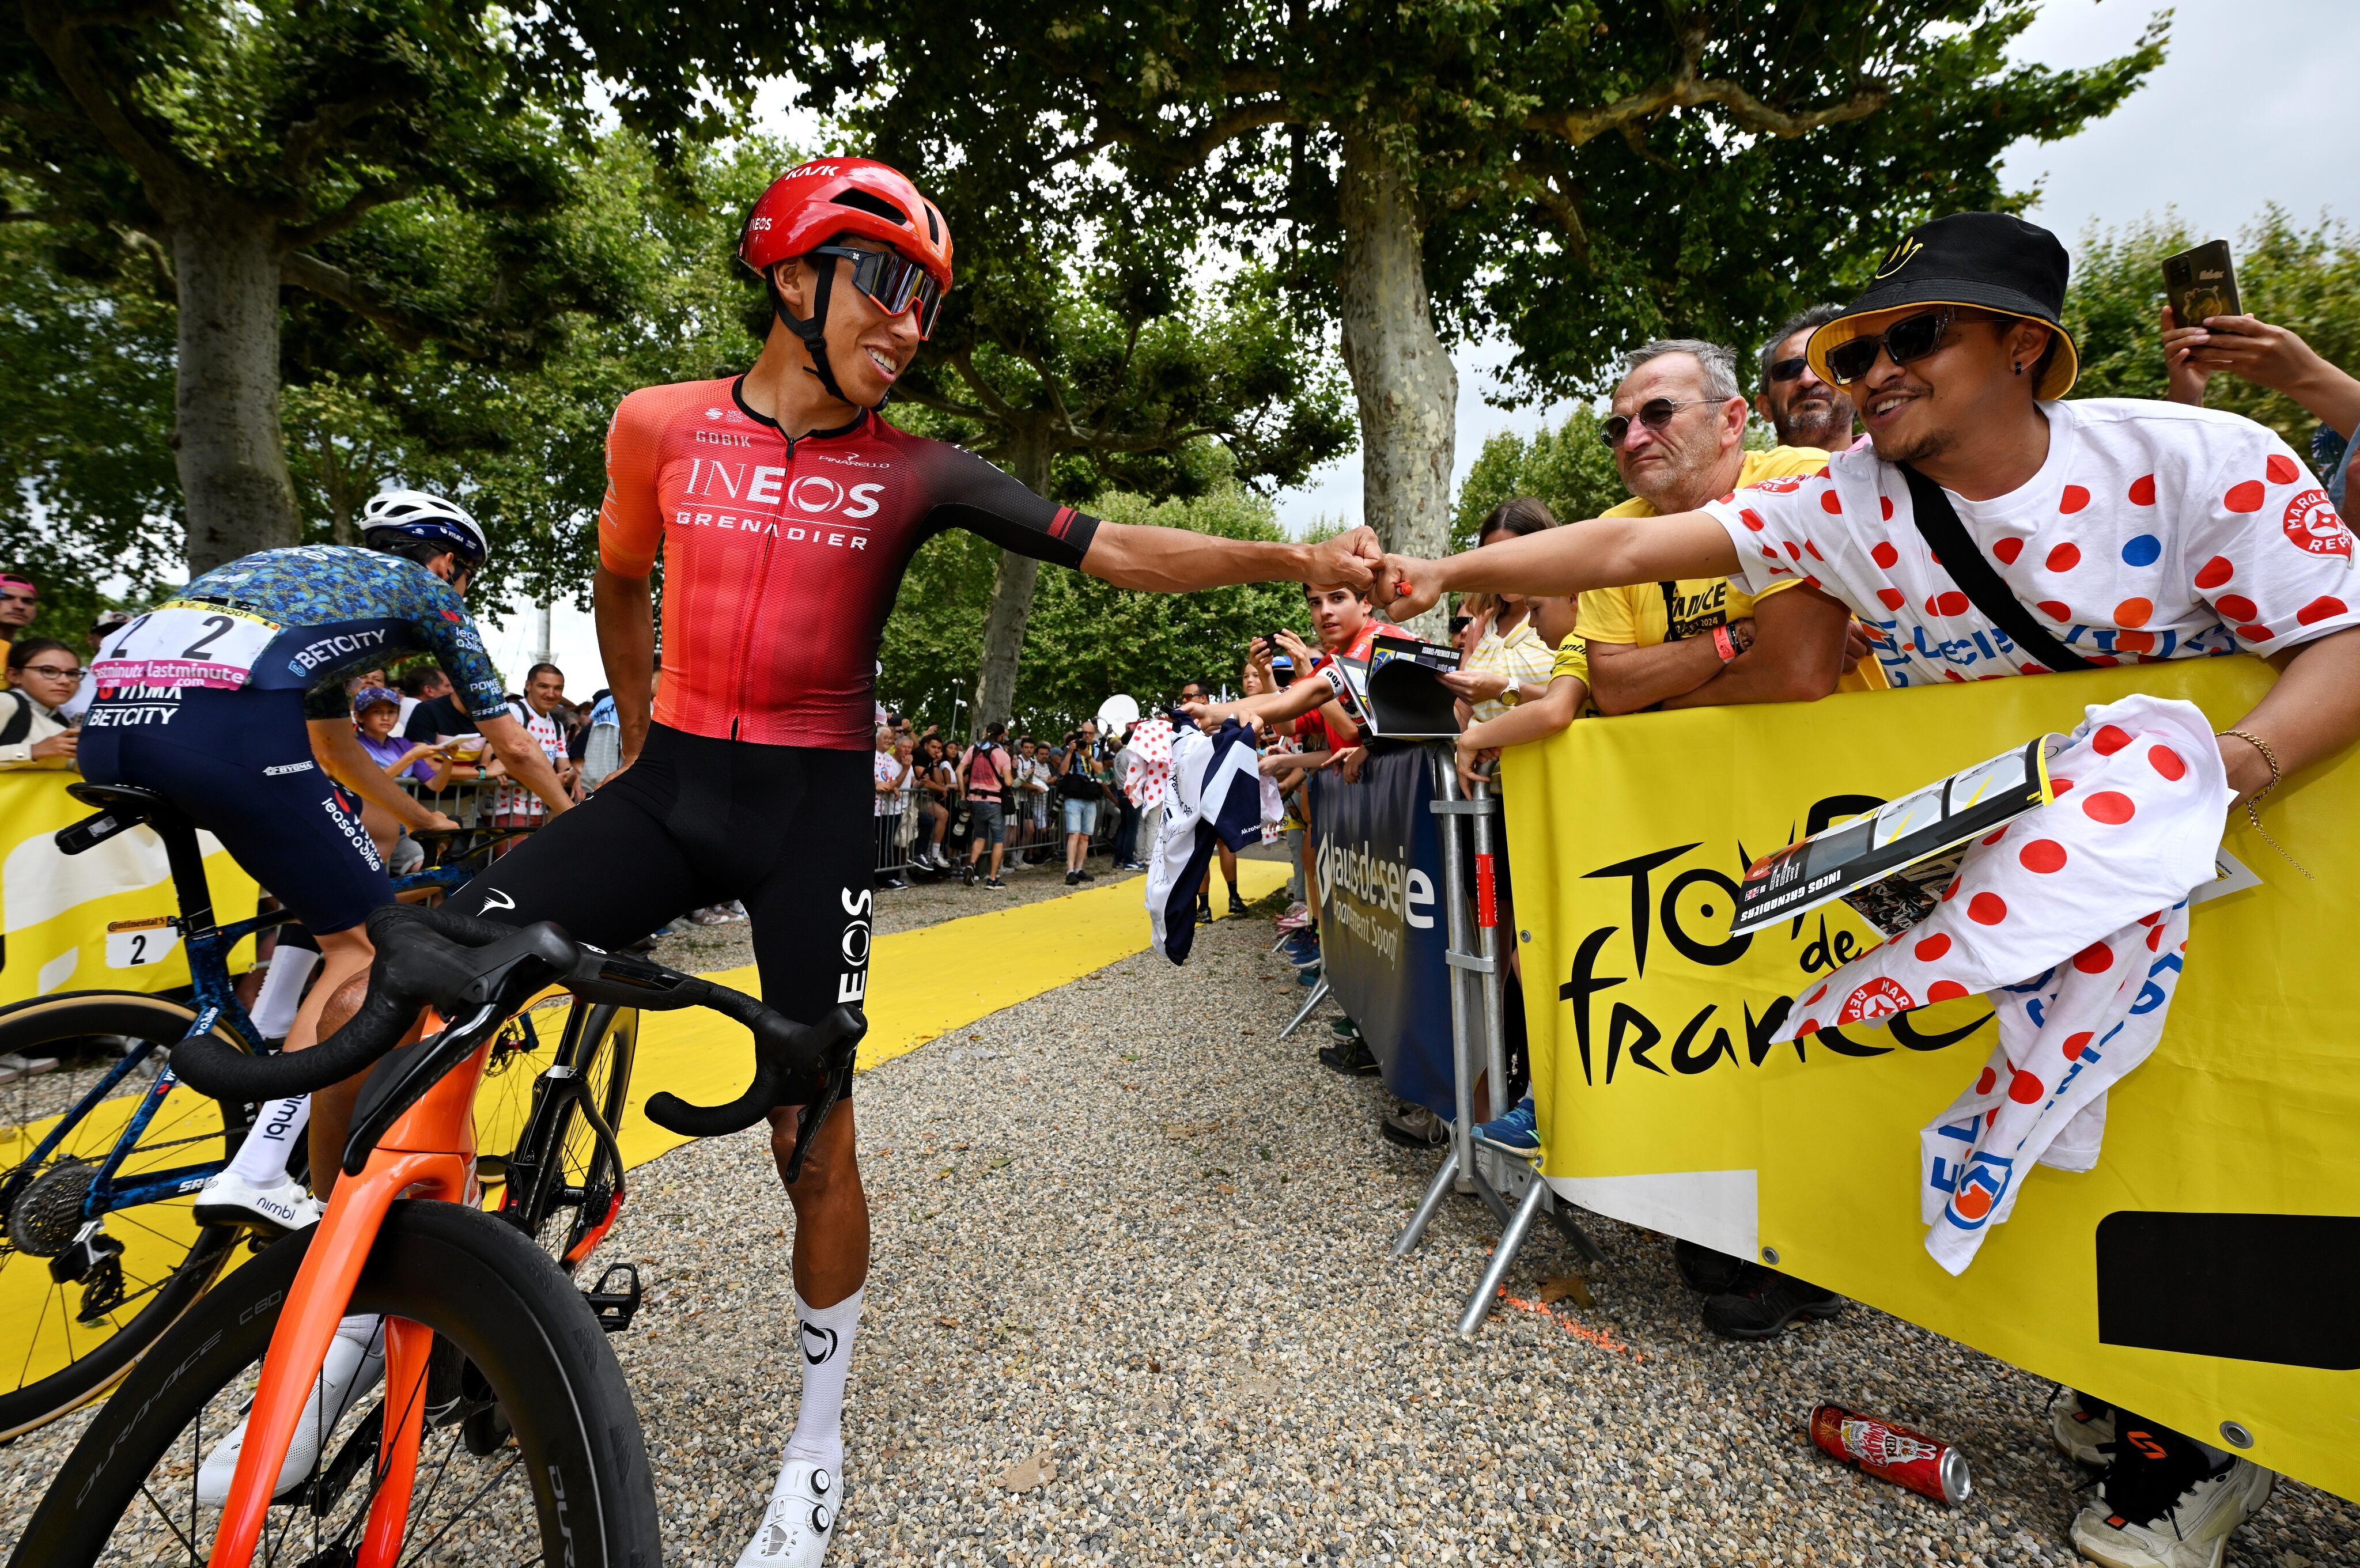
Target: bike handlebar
(455,962)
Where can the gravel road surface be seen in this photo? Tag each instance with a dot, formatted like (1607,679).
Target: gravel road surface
(1132,1303)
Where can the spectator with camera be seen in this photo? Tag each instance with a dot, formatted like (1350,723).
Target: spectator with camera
(2268,356)
(1080,788)
(986,773)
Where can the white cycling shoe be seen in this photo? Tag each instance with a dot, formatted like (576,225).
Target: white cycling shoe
(228,1199)
(353,1367)
(800,1521)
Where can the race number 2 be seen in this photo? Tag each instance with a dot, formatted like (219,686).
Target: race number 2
(131,945)
(185,645)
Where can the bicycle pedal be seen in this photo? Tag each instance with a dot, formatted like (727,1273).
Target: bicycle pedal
(616,1308)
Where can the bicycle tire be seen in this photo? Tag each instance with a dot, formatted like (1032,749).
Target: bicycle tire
(480,1286)
(588,1175)
(171,1281)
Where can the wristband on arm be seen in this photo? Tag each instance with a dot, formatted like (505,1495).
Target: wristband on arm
(1724,643)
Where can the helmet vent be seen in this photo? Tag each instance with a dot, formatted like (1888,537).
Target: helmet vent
(933,225)
(868,202)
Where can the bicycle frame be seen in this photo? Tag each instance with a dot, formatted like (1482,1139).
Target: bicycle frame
(214,996)
(427,1153)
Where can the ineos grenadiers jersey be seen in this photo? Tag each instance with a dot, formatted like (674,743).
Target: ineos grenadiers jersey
(329,611)
(782,557)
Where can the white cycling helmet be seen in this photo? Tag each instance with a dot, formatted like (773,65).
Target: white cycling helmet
(426,518)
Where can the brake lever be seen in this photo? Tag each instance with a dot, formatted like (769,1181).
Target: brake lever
(778,1044)
(815,1116)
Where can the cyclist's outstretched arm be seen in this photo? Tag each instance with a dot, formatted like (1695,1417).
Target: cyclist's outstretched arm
(1604,552)
(337,745)
(624,609)
(1174,561)
(527,765)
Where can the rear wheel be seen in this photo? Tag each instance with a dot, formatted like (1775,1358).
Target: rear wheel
(76,1311)
(531,1451)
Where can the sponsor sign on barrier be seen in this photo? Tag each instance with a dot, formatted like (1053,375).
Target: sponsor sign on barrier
(2199,1275)
(1378,856)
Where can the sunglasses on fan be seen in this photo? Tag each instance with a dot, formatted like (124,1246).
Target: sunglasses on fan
(1912,337)
(893,281)
(1655,413)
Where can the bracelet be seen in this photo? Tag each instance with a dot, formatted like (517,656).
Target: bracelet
(1724,642)
(2254,816)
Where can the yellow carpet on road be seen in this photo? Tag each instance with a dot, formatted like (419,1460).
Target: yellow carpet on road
(922,984)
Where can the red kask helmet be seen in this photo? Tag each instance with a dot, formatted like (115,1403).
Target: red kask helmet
(808,206)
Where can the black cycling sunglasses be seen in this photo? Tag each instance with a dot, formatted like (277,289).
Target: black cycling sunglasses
(1912,337)
(1655,413)
(1788,369)
(893,281)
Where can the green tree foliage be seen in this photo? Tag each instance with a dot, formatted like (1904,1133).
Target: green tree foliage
(383,157)
(1087,639)
(1569,468)
(87,492)
(2304,279)
(1704,173)
(523,445)
(1582,175)
(87,418)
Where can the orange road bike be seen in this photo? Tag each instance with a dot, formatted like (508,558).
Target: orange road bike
(503,1434)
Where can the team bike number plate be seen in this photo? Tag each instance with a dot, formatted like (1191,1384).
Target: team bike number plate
(185,645)
(134,944)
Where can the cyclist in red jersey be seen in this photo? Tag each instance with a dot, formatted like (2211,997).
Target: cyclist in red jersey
(784,510)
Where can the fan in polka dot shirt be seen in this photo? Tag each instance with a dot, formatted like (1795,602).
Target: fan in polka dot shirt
(2152,532)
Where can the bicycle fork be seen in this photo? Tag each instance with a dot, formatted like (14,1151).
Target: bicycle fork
(314,1305)
(436,1165)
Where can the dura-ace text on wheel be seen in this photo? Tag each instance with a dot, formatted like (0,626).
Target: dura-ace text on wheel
(531,1453)
(99,1251)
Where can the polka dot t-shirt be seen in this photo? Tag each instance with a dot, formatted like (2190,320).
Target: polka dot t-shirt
(2154,530)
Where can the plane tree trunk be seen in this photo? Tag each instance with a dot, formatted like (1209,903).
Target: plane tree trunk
(1012,596)
(1408,390)
(230,450)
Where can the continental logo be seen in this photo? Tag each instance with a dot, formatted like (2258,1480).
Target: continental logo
(1677,899)
(1899,257)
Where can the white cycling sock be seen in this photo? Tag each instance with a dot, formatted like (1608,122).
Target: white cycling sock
(825,1339)
(282,989)
(261,1159)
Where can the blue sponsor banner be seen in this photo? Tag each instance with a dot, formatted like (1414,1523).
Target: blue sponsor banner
(1382,932)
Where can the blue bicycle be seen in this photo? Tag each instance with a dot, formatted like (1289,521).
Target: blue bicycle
(99,1250)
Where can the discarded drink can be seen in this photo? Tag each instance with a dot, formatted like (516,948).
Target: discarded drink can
(1894,1454)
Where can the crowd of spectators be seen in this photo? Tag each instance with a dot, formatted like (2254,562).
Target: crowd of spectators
(943,810)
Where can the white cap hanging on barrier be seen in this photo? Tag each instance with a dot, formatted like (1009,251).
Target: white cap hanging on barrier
(1117,712)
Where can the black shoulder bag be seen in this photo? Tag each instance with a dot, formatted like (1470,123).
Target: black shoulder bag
(1939,526)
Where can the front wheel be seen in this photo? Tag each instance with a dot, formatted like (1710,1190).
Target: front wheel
(532,1450)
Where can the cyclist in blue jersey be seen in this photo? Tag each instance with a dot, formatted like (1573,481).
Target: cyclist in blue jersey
(229,700)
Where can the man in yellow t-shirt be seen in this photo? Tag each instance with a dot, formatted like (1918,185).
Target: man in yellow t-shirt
(1679,430)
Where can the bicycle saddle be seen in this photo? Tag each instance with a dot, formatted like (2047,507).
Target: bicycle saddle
(121,807)
(131,800)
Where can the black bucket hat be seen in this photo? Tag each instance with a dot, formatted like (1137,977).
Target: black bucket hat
(1989,261)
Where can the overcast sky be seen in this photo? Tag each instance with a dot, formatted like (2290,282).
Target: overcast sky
(2258,102)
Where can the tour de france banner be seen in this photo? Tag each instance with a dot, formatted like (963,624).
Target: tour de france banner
(94,921)
(2201,1274)
(1378,856)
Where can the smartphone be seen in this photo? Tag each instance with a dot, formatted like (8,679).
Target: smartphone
(2200,283)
